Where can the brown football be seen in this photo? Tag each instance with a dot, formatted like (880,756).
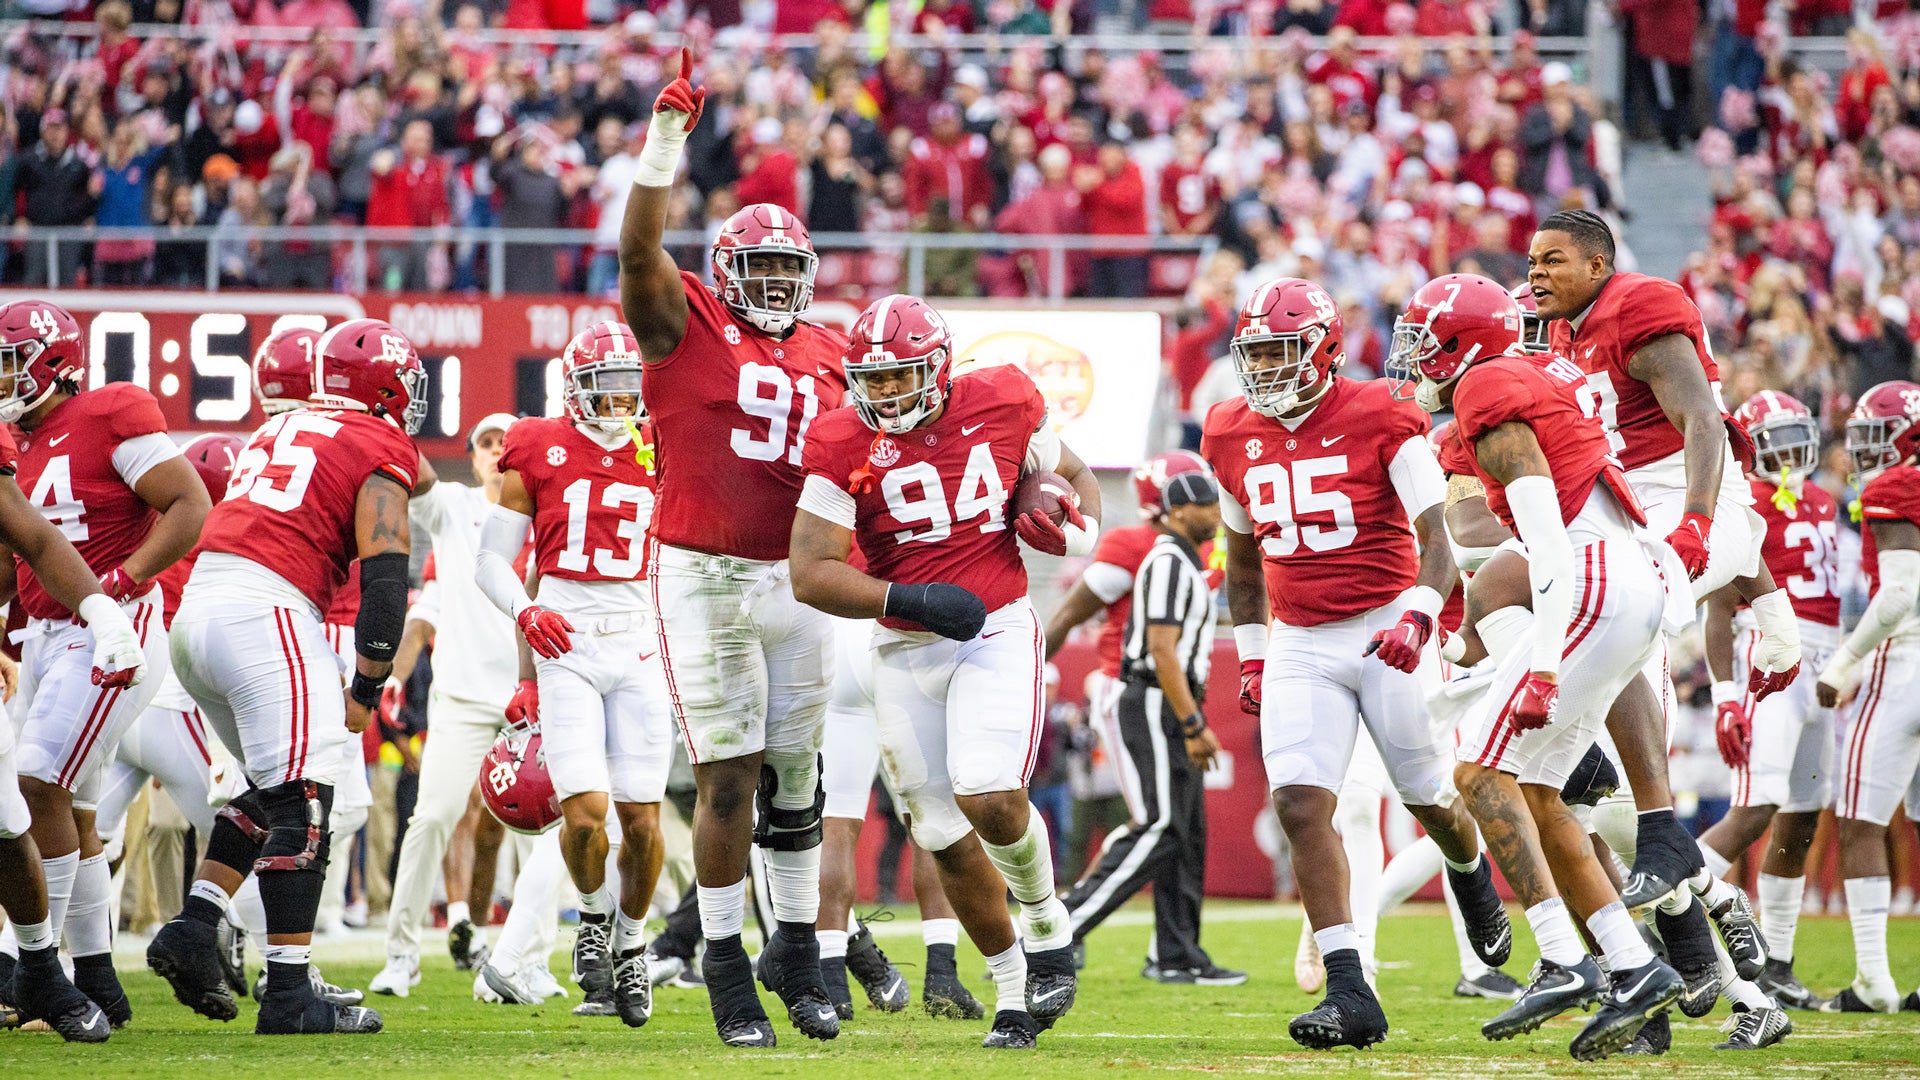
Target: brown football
(1043,491)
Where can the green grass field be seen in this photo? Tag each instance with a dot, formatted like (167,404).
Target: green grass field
(1121,1022)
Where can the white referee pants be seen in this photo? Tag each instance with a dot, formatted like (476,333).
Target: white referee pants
(459,734)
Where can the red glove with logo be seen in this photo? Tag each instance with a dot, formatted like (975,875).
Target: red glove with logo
(1251,672)
(546,632)
(119,585)
(1734,731)
(1042,535)
(392,697)
(1689,541)
(1539,699)
(1399,648)
(523,709)
(1761,683)
(680,96)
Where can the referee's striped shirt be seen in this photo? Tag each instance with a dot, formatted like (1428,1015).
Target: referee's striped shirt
(1170,589)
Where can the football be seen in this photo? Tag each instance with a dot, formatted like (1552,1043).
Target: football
(1043,491)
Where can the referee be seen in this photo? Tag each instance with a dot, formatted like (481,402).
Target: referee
(1167,745)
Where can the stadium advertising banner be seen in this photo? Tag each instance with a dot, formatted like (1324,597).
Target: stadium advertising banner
(193,351)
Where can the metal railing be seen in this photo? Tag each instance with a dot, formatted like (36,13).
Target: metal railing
(364,241)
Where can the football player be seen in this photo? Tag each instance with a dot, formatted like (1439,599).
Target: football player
(1780,749)
(315,490)
(1548,474)
(1880,768)
(1331,484)
(918,471)
(735,378)
(100,465)
(583,486)
(1652,380)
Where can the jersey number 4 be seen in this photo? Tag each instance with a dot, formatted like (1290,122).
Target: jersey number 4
(1277,499)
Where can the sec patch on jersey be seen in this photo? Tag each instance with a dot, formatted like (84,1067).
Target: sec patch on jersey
(1042,491)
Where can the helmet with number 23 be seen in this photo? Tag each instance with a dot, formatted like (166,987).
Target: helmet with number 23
(39,350)
(1286,344)
(367,365)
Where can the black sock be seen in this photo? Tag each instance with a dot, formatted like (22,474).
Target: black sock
(93,964)
(1655,825)
(726,949)
(795,931)
(940,959)
(1344,971)
(40,959)
(202,910)
(286,977)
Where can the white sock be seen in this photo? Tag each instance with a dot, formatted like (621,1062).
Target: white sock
(940,932)
(793,884)
(833,943)
(88,930)
(1335,938)
(1410,868)
(1717,864)
(1678,901)
(1867,902)
(1358,819)
(1741,992)
(211,893)
(1619,938)
(628,932)
(62,870)
(1027,866)
(1780,900)
(723,911)
(1553,932)
(1709,887)
(35,936)
(1470,963)
(288,954)
(597,902)
(457,913)
(251,909)
(1009,970)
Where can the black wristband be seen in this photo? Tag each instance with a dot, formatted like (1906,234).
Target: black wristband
(1193,724)
(366,689)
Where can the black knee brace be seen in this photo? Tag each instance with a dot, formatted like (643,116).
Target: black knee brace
(779,829)
(237,834)
(1592,780)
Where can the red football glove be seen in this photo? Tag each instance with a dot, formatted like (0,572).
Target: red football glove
(1734,731)
(1251,672)
(118,679)
(1689,541)
(1399,648)
(523,709)
(392,697)
(546,632)
(1042,535)
(1761,683)
(1538,701)
(119,585)
(680,96)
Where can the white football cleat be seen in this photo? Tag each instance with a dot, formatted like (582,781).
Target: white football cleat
(537,979)
(398,978)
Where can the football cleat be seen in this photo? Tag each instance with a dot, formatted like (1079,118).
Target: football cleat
(1734,918)
(747,1032)
(94,976)
(1910,1003)
(1051,985)
(1667,856)
(185,953)
(232,945)
(597,1003)
(833,972)
(1638,995)
(1654,1039)
(7,963)
(1756,1029)
(593,954)
(509,990)
(535,977)
(398,978)
(1345,1017)
(1865,998)
(1208,974)
(1309,971)
(1012,1031)
(632,990)
(737,1014)
(1688,940)
(945,996)
(41,991)
(1778,982)
(460,945)
(1553,990)
(1488,929)
(886,988)
(662,970)
(339,995)
(302,1013)
(1495,985)
(790,967)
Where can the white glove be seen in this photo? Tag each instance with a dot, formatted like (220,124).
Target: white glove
(118,659)
(1779,646)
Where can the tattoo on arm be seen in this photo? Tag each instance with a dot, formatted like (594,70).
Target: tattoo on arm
(1511,451)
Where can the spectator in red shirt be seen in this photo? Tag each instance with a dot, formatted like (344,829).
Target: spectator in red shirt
(117,48)
(1519,83)
(1115,199)
(1052,209)
(1365,17)
(409,191)
(256,138)
(953,15)
(1866,73)
(1445,18)
(949,165)
(1340,70)
(1189,195)
(768,173)
(1505,198)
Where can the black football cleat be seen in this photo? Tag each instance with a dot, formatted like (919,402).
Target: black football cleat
(1910,1003)
(1495,985)
(593,954)
(1347,1016)
(1741,932)
(302,1012)
(737,1014)
(886,988)
(339,995)
(460,946)
(1778,982)
(1553,990)
(632,988)
(1051,985)
(942,992)
(1012,1031)
(1488,929)
(1207,974)
(1638,995)
(790,967)
(7,963)
(1848,1000)
(41,991)
(1756,1029)
(231,939)
(1653,1040)
(833,972)
(1666,857)
(95,977)
(1688,939)
(186,953)
(597,1003)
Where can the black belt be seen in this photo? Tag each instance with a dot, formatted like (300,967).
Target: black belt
(1151,681)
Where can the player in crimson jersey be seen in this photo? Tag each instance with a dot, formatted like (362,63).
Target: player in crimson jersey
(100,466)
(919,471)
(1653,383)
(315,489)
(583,485)
(1548,474)
(1880,767)
(1780,749)
(734,380)
(1330,483)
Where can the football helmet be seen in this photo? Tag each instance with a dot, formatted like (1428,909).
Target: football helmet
(1534,332)
(1884,429)
(602,362)
(368,366)
(1450,323)
(768,300)
(40,348)
(1286,343)
(283,369)
(896,335)
(1786,436)
(213,456)
(515,786)
(1150,480)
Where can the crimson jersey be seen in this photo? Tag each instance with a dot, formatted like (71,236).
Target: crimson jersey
(1337,542)
(591,504)
(66,469)
(345,610)
(1187,191)
(291,500)
(1632,310)
(1802,550)
(1544,393)
(1894,495)
(732,407)
(930,504)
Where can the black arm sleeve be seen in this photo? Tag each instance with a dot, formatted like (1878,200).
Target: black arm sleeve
(383,606)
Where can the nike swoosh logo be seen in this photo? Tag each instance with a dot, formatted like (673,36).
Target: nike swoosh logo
(1545,589)
(965,431)
(1623,995)
(1324,443)
(1040,999)
(58,439)
(94,1020)
(996,633)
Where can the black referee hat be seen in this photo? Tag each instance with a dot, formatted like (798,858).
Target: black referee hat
(1189,488)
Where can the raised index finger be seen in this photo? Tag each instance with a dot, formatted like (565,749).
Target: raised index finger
(686,63)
